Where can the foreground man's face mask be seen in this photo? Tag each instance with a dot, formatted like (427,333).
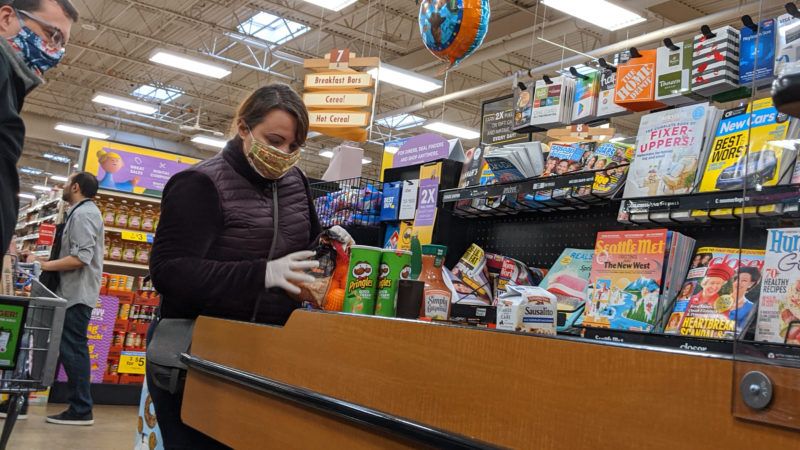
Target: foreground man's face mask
(268,161)
(39,56)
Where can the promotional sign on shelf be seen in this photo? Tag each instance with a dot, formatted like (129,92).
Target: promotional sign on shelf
(47,234)
(425,148)
(339,99)
(100,333)
(498,121)
(12,316)
(136,236)
(130,168)
(132,363)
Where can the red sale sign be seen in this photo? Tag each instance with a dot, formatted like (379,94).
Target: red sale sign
(47,234)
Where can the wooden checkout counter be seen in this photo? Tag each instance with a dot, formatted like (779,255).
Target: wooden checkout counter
(333,381)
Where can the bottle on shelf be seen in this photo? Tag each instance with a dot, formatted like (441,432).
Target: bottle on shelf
(109,213)
(121,220)
(135,217)
(143,254)
(129,251)
(106,246)
(115,253)
(148,219)
(436,295)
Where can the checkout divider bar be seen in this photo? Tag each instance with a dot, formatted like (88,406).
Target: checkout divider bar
(362,415)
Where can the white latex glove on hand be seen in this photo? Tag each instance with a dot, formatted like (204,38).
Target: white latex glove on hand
(341,235)
(287,271)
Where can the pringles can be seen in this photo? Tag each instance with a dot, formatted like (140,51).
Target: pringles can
(362,280)
(395,266)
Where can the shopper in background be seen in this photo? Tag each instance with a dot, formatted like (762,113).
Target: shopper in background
(235,232)
(80,269)
(35,33)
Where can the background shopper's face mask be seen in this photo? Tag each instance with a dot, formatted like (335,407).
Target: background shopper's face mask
(269,161)
(34,50)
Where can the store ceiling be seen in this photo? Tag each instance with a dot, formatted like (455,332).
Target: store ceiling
(110,48)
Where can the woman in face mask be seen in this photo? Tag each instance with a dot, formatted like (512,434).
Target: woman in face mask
(235,230)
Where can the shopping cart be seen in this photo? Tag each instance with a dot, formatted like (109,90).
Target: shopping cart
(33,366)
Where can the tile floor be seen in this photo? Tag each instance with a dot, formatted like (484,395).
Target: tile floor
(114,428)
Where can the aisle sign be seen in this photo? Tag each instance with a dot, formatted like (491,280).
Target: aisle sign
(47,234)
(498,119)
(137,236)
(132,363)
(339,98)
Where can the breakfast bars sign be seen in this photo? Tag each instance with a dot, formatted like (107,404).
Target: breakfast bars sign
(339,98)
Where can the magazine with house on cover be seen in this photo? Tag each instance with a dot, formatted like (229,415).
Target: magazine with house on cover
(668,150)
(729,165)
(626,279)
(720,293)
(780,289)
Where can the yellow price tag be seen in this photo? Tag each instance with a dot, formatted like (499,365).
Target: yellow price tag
(132,363)
(136,236)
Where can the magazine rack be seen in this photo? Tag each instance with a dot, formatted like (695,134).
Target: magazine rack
(467,387)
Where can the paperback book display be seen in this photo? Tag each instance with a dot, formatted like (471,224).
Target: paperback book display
(715,62)
(552,103)
(757,54)
(779,311)
(674,74)
(633,273)
(668,150)
(515,162)
(720,294)
(636,80)
(760,127)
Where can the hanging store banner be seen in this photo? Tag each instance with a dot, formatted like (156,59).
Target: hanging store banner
(130,168)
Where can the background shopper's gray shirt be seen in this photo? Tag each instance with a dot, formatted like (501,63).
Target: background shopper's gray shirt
(83,238)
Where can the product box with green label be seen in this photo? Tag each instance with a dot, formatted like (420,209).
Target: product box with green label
(674,74)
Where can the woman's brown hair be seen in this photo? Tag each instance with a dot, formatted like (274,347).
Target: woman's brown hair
(267,98)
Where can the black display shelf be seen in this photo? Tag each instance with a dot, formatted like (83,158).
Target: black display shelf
(102,394)
(661,341)
(708,201)
(561,192)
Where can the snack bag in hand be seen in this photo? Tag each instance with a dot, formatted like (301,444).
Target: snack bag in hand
(329,277)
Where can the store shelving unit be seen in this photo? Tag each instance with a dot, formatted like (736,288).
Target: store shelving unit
(139,198)
(127,265)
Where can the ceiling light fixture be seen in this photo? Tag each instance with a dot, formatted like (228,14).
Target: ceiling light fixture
(80,131)
(39,187)
(452,130)
(188,64)
(28,196)
(209,141)
(365,161)
(326,154)
(124,103)
(27,170)
(601,13)
(333,5)
(57,158)
(60,178)
(405,79)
